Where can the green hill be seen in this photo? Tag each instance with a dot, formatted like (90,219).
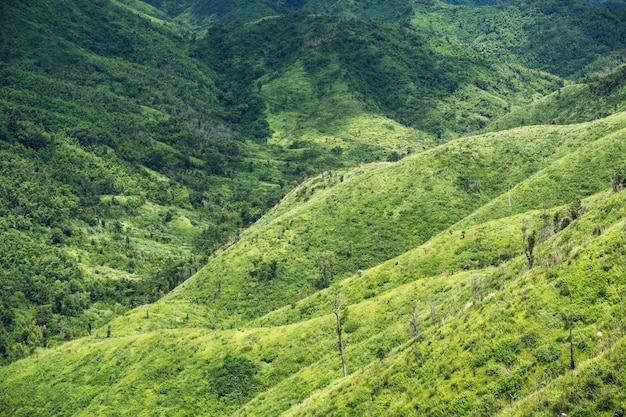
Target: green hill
(568,38)
(131,151)
(316,71)
(537,34)
(467,273)
(188,190)
(589,99)
(198,15)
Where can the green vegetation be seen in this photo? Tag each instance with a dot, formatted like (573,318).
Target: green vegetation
(568,38)
(207,207)
(122,167)
(589,99)
(469,278)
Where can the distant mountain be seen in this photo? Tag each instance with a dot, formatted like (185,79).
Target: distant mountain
(607,3)
(201,14)
(536,34)
(430,84)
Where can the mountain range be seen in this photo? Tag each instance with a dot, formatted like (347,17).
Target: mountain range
(199,198)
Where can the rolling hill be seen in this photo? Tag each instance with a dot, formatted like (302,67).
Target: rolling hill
(225,343)
(196,199)
(131,150)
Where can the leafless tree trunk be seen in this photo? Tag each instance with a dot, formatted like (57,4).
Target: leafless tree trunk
(336,310)
(528,241)
(433,311)
(477,287)
(509,188)
(415,325)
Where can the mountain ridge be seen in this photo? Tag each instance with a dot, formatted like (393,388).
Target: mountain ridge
(190,210)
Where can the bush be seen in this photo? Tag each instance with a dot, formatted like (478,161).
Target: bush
(234,380)
(547,354)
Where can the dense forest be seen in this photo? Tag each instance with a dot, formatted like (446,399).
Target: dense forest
(197,198)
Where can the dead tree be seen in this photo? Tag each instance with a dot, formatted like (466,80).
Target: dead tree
(433,311)
(528,241)
(415,324)
(477,288)
(336,310)
(569,320)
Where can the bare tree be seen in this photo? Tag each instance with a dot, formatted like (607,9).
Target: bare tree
(415,324)
(337,311)
(569,320)
(433,311)
(477,287)
(509,167)
(528,241)
(325,263)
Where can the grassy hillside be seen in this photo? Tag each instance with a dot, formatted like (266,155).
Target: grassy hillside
(293,159)
(535,34)
(327,224)
(589,99)
(130,151)
(464,267)
(314,72)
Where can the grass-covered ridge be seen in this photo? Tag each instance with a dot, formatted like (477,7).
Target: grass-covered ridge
(537,34)
(589,99)
(132,150)
(463,266)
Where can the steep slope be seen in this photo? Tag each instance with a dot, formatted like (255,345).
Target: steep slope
(319,232)
(130,151)
(121,165)
(468,275)
(589,99)
(536,34)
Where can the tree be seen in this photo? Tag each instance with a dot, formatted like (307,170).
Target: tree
(337,311)
(618,180)
(528,241)
(477,287)
(415,325)
(575,209)
(393,157)
(509,167)
(235,378)
(568,320)
(433,311)
(325,262)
